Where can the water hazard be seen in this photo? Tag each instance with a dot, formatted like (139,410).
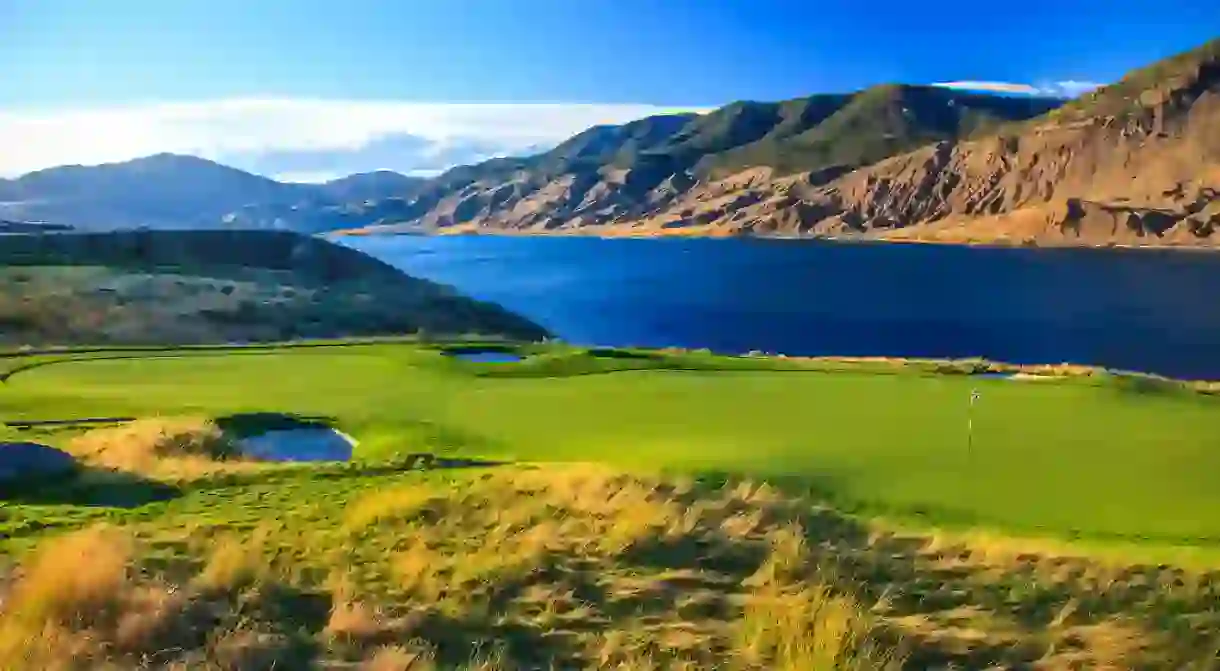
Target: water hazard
(484,356)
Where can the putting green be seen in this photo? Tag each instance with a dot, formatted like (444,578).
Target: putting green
(1098,461)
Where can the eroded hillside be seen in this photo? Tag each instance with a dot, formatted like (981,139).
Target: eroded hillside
(1136,162)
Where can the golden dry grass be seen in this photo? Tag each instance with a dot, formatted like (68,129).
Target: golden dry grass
(165,448)
(398,658)
(581,567)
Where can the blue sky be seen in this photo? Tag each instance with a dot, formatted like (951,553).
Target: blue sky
(68,61)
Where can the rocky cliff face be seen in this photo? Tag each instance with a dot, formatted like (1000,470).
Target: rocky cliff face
(1135,162)
(608,176)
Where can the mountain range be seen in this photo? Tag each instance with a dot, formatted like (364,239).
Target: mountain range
(173,191)
(1134,162)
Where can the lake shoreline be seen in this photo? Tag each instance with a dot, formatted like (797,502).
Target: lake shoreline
(945,366)
(602,234)
(1127,309)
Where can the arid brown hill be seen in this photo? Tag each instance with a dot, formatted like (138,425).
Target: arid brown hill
(1137,162)
(615,174)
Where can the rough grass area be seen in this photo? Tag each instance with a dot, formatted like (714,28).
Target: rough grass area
(563,567)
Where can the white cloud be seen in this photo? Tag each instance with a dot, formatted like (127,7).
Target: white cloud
(424,172)
(287,136)
(1062,89)
(1074,88)
(306,177)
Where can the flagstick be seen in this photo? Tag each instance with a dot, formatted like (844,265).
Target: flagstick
(974,396)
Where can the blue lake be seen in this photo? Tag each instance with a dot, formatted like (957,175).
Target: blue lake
(1147,310)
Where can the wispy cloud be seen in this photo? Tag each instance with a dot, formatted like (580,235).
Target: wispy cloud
(1062,89)
(299,136)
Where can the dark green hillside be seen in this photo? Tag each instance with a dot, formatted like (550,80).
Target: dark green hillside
(218,286)
(827,131)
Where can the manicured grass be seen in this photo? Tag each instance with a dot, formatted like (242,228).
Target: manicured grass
(1101,461)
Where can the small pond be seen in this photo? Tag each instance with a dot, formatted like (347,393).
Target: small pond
(305,444)
(484,355)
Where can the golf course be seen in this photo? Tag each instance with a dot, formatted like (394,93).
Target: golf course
(1103,460)
(1066,514)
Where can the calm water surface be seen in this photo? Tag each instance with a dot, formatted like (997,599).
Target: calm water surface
(1140,310)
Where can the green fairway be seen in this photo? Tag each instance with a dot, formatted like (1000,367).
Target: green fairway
(1063,458)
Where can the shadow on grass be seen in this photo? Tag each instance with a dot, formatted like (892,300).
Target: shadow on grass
(32,473)
(477,348)
(88,487)
(609,353)
(421,462)
(458,639)
(1144,385)
(26,425)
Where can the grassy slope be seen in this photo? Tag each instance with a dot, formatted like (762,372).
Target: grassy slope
(1061,458)
(218,286)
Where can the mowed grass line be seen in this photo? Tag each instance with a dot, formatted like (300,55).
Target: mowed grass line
(1089,461)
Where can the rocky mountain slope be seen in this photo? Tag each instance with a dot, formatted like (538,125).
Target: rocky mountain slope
(1137,162)
(1134,162)
(606,172)
(612,174)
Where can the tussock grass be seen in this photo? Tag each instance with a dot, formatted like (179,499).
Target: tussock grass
(399,658)
(807,628)
(574,567)
(73,580)
(233,563)
(502,570)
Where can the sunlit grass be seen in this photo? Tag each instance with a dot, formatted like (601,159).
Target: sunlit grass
(1112,460)
(579,566)
(700,518)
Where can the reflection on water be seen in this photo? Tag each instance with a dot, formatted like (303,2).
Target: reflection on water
(313,444)
(1140,309)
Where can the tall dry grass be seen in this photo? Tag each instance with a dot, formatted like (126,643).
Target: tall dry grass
(83,601)
(594,569)
(808,627)
(68,601)
(166,448)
